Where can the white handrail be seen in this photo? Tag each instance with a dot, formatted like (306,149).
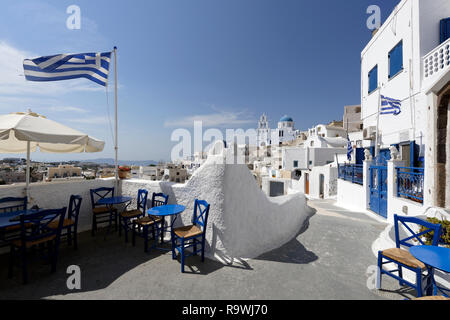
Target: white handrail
(436,60)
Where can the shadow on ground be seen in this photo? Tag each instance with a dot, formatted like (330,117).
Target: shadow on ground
(293,251)
(102,261)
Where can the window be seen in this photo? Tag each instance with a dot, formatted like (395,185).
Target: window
(396,60)
(373,79)
(295,164)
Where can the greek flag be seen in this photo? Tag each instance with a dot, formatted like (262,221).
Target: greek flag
(390,106)
(92,66)
(349,149)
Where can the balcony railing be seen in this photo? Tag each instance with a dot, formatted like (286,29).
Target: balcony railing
(351,172)
(437,61)
(410,182)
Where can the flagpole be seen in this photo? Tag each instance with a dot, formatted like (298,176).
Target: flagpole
(116,142)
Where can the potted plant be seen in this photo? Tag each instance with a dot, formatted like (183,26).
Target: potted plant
(124,172)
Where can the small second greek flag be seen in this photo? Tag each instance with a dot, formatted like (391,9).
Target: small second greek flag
(92,66)
(390,106)
(349,149)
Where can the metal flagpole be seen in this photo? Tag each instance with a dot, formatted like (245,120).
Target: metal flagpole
(116,142)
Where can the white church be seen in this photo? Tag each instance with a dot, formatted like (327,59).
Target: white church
(285,131)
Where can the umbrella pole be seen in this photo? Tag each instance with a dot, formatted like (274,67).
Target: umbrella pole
(28,173)
(116,142)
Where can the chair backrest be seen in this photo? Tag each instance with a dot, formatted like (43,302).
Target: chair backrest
(74,207)
(201,212)
(417,236)
(142,200)
(12,204)
(159,199)
(40,222)
(100,193)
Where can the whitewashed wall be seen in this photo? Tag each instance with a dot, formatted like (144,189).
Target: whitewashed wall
(56,195)
(243,221)
(351,196)
(330,174)
(399,27)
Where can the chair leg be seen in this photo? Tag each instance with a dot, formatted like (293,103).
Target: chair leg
(182,255)
(94,225)
(133,234)
(145,231)
(120,225)
(400,274)
(172,238)
(195,247)
(419,283)
(379,270)
(11,262)
(24,265)
(75,238)
(203,249)
(69,236)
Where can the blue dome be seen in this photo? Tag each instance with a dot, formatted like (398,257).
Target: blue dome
(286,119)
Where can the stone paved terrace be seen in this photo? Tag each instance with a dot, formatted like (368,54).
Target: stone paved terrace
(329,259)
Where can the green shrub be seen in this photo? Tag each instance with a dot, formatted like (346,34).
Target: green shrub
(445,235)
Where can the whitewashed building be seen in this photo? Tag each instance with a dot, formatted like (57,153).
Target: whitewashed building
(405,91)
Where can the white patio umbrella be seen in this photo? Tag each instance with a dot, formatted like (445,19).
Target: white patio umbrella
(25,132)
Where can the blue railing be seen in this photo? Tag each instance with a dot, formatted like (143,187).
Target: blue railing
(351,172)
(410,182)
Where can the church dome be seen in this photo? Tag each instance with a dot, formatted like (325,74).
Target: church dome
(286,119)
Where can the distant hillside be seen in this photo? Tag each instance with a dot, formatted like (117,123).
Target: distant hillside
(110,161)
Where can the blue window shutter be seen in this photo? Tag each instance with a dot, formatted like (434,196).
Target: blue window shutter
(445,29)
(373,79)
(396,59)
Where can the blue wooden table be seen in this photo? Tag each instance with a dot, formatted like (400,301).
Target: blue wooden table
(434,258)
(110,203)
(170,210)
(12,219)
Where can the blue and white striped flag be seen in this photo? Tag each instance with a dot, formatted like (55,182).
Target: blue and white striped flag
(92,66)
(349,149)
(390,106)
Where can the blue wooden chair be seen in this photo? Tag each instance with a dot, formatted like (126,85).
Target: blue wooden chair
(126,217)
(8,205)
(70,225)
(402,258)
(193,235)
(101,213)
(142,225)
(39,235)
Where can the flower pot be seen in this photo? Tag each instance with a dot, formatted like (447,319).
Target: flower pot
(123,174)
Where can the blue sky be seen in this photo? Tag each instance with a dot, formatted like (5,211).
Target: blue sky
(223,61)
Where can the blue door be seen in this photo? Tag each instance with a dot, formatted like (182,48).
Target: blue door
(445,29)
(378,190)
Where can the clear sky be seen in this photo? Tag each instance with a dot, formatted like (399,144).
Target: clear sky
(223,61)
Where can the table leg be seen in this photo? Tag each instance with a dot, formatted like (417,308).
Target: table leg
(162,229)
(110,220)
